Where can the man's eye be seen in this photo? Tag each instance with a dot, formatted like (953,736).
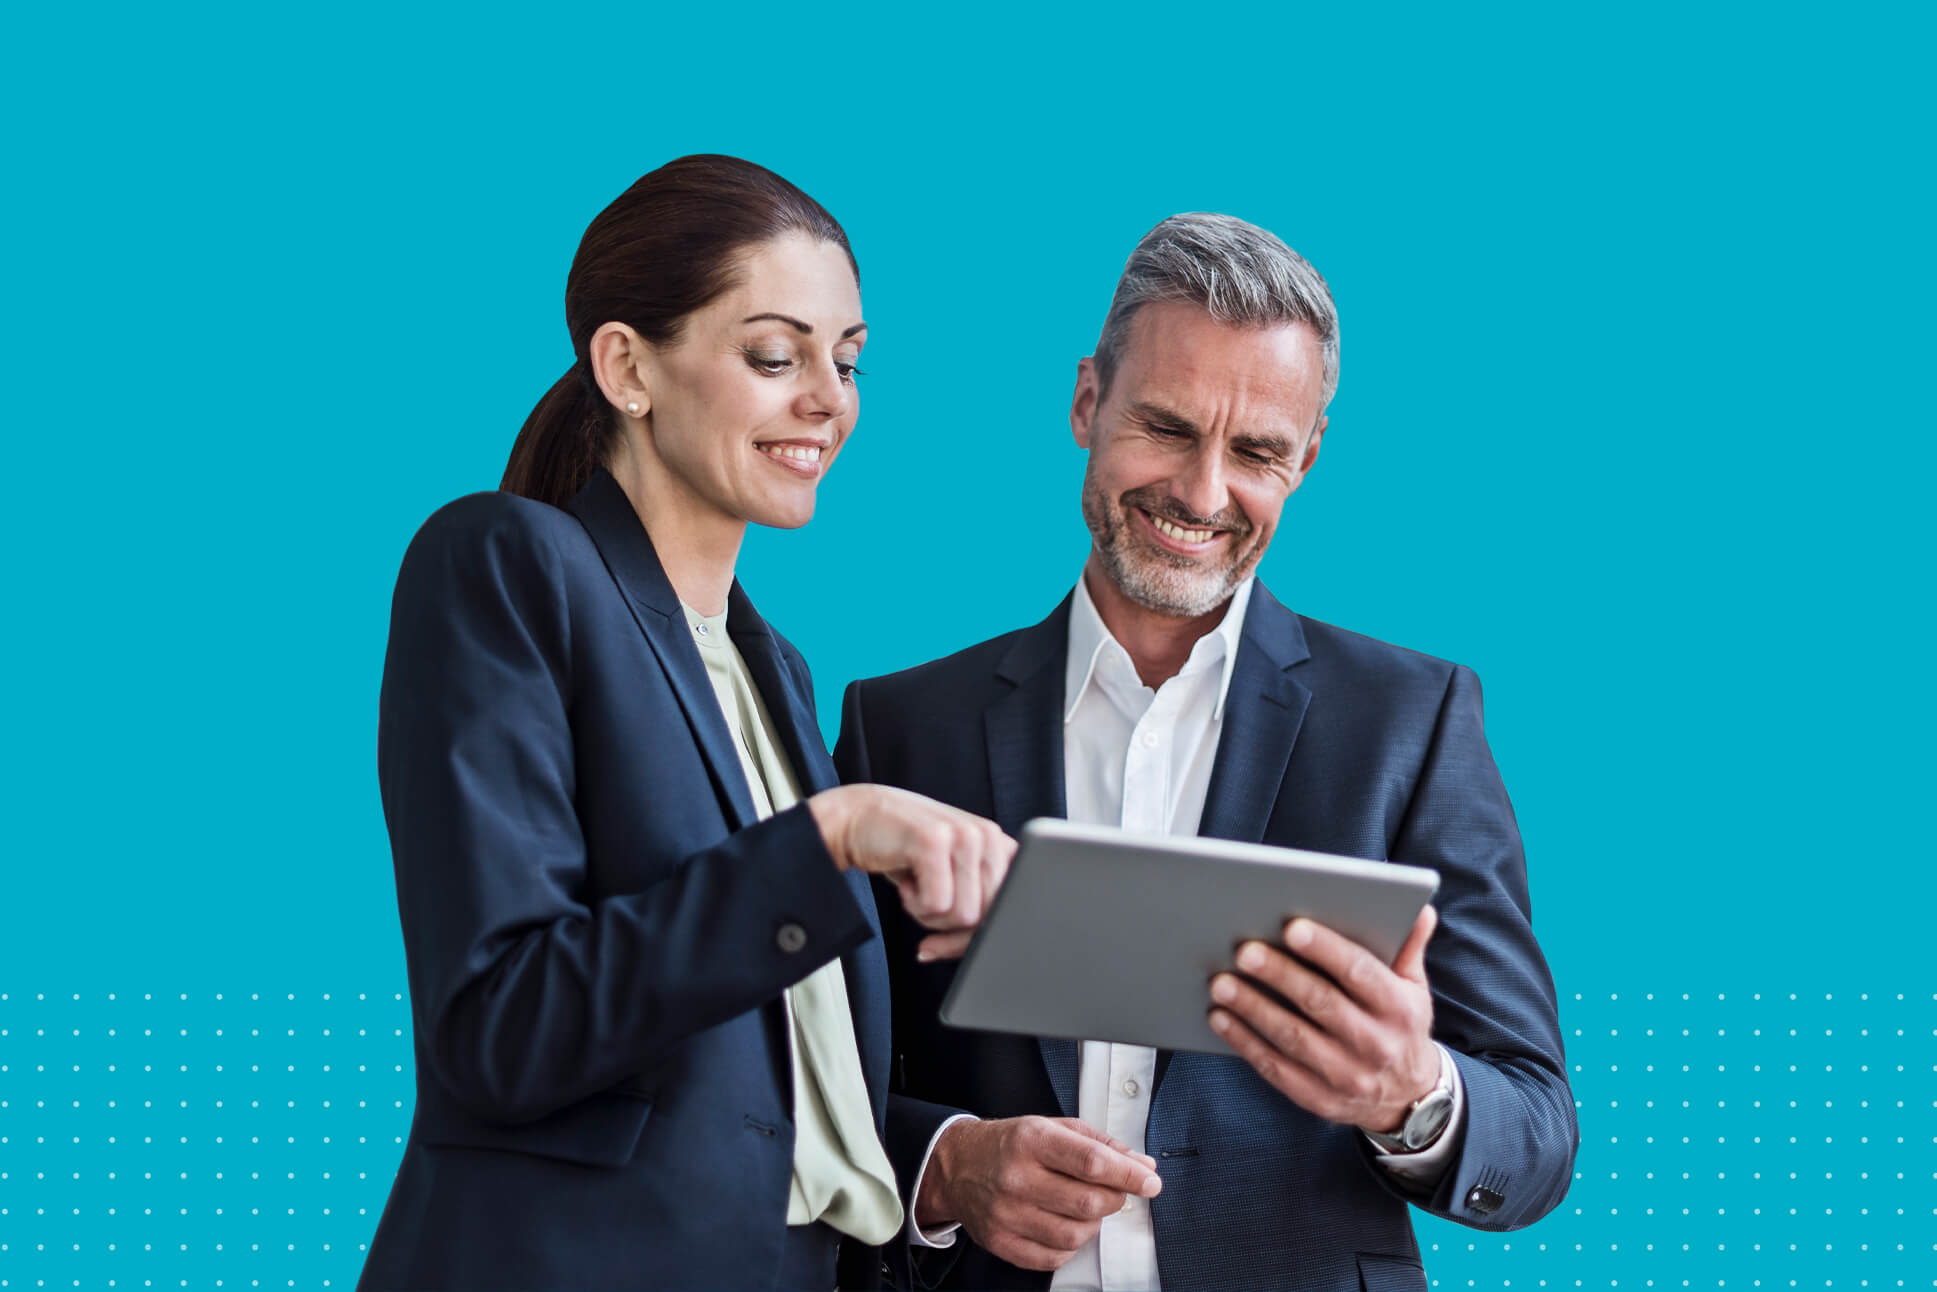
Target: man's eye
(1167,432)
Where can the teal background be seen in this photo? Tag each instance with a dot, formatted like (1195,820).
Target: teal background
(1634,419)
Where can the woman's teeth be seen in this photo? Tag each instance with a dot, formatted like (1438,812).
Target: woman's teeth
(798,452)
(1181,535)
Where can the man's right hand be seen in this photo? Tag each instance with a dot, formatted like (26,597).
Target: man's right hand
(1030,1190)
(945,863)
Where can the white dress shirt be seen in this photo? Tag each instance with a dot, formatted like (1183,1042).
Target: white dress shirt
(1141,759)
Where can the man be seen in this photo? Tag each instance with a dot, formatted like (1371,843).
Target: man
(1170,692)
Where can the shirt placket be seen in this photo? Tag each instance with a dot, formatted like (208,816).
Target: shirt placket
(1147,786)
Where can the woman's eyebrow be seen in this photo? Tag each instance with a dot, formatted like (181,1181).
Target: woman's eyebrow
(804,329)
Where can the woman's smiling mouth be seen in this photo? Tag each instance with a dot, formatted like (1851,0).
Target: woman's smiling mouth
(802,457)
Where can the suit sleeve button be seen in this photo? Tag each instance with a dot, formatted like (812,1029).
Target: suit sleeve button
(1484,1200)
(790,938)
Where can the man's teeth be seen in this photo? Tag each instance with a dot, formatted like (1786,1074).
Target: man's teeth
(1181,535)
(801,453)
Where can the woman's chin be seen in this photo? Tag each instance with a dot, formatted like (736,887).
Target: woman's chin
(783,513)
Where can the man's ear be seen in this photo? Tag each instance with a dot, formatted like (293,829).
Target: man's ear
(620,363)
(1311,445)
(1082,405)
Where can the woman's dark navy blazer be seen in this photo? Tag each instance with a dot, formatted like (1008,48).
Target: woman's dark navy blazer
(598,932)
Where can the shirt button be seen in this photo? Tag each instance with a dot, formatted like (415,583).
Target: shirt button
(790,938)
(1129,1204)
(1151,739)
(1130,1087)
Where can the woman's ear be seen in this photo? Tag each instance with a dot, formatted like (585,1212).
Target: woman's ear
(619,364)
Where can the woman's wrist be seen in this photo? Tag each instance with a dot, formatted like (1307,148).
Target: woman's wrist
(831,812)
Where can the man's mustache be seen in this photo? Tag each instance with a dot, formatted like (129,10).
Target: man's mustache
(1164,507)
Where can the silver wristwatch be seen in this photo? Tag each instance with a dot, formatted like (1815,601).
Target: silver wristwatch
(1426,1119)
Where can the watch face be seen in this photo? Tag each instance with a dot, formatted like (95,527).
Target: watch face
(1428,1120)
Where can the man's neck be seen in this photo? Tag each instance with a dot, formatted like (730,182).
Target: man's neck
(1158,644)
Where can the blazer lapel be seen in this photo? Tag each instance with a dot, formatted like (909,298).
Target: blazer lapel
(1263,711)
(790,705)
(1024,730)
(788,702)
(607,514)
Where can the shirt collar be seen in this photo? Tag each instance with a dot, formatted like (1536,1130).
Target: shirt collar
(1089,639)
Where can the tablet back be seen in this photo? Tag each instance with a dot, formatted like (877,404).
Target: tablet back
(1103,935)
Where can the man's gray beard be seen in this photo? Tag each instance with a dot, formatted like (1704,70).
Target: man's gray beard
(1154,579)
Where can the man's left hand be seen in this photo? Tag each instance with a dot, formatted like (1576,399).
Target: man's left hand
(1359,1047)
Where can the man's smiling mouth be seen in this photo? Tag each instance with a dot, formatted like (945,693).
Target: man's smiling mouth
(1180,533)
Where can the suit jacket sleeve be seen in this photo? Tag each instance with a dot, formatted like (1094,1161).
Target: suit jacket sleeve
(1493,996)
(912,1123)
(530,989)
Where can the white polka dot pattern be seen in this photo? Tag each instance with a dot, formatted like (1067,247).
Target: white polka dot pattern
(246,1139)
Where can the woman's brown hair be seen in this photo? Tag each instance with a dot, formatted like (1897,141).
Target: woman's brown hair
(666,247)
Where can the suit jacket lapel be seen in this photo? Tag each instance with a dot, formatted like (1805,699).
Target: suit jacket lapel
(607,514)
(790,704)
(784,692)
(1024,730)
(1263,711)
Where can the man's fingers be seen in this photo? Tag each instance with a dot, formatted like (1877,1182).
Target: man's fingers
(1082,1127)
(1094,1162)
(1088,1203)
(944,946)
(1324,1006)
(1358,973)
(1291,1079)
(1411,963)
(1287,1033)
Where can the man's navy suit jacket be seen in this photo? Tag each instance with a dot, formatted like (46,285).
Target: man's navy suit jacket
(598,932)
(1332,742)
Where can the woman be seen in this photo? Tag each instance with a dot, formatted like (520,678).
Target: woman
(650,1006)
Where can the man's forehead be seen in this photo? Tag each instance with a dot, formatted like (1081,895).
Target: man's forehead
(1202,372)
(1178,347)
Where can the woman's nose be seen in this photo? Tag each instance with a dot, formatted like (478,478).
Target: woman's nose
(824,394)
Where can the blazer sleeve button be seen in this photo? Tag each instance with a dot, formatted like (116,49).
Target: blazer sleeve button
(790,938)
(1483,1200)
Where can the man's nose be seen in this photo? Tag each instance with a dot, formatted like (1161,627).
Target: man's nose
(1201,486)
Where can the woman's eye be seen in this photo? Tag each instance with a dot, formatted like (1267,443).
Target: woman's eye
(848,371)
(772,365)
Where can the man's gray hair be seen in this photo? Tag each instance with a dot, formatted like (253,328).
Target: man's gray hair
(1240,274)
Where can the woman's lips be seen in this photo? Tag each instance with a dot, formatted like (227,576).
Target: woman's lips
(800,457)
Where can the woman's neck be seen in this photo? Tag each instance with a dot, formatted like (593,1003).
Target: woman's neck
(697,546)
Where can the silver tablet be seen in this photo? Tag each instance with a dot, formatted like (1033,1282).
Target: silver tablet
(1103,935)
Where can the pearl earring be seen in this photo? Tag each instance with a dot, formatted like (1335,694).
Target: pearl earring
(633,408)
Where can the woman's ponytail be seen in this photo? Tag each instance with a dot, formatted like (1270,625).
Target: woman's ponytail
(562,443)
